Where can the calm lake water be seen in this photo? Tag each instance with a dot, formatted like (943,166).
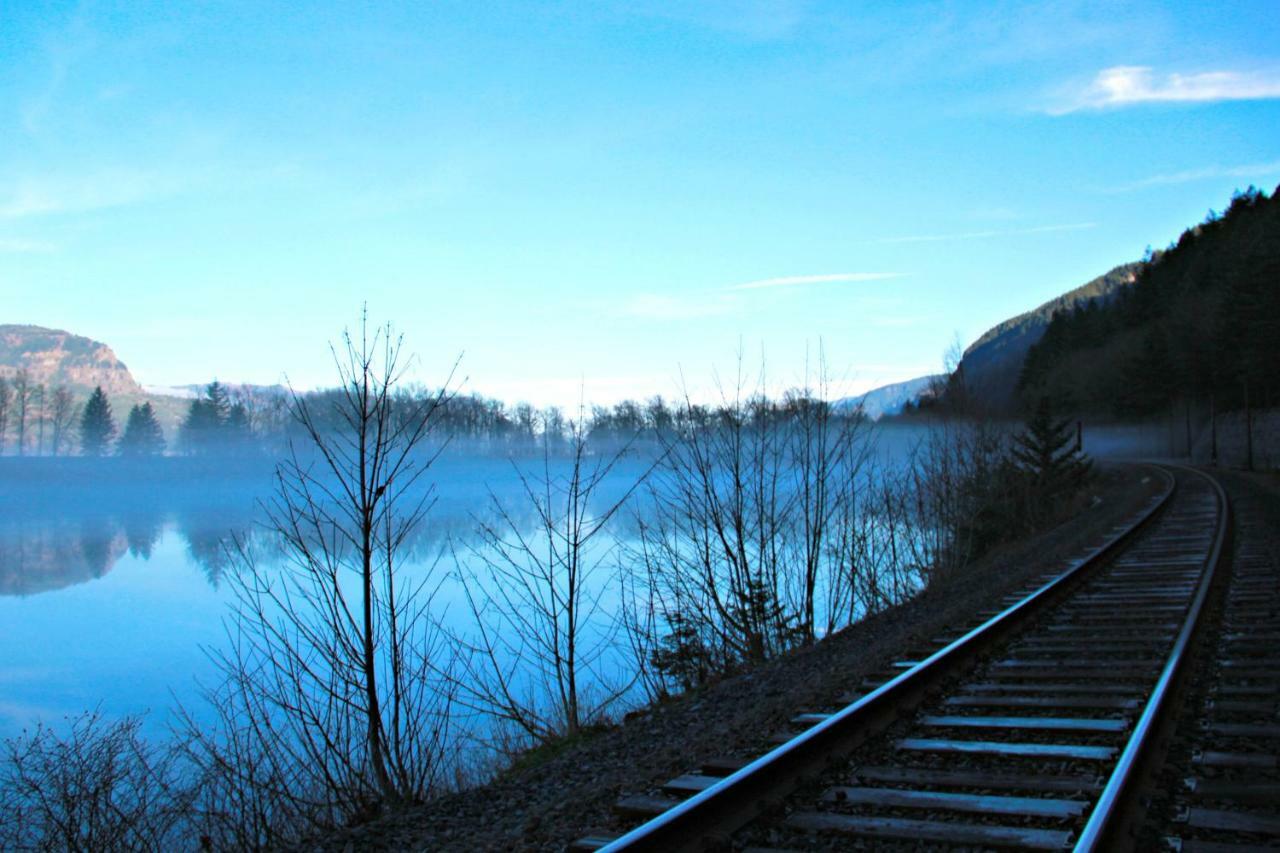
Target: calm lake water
(113,578)
(112,581)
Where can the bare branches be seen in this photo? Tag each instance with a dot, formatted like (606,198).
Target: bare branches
(337,686)
(543,657)
(98,787)
(736,555)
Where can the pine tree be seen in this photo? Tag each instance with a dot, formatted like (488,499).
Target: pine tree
(213,423)
(199,428)
(1045,451)
(219,401)
(237,425)
(142,433)
(97,426)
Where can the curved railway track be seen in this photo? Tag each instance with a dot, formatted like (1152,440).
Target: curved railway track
(1038,729)
(1228,799)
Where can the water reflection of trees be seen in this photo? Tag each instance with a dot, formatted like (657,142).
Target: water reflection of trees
(210,535)
(142,531)
(43,554)
(57,544)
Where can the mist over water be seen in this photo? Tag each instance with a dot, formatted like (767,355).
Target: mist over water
(112,572)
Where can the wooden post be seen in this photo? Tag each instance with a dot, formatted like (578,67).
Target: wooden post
(1213,430)
(1187,411)
(1248,427)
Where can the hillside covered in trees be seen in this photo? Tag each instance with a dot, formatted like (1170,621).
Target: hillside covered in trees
(988,373)
(1199,329)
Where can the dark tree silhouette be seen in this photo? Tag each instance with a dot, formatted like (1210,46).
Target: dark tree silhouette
(97,426)
(23,391)
(1045,451)
(142,433)
(214,424)
(1200,323)
(332,702)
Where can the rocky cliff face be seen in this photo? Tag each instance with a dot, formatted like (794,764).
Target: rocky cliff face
(54,357)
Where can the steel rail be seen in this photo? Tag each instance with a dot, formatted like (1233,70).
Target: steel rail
(1114,817)
(722,808)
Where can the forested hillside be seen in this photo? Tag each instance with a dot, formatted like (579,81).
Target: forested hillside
(988,373)
(1200,325)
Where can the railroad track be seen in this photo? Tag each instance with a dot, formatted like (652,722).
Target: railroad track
(1037,729)
(1230,795)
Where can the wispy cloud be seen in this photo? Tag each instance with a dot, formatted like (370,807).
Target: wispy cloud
(63,50)
(1251,170)
(655,306)
(1129,85)
(13,246)
(53,194)
(658,306)
(983,235)
(801,280)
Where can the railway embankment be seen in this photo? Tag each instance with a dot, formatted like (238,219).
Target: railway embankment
(545,805)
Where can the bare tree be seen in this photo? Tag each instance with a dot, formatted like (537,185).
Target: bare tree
(740,557)
(826,453)
(543,656)
(100,786)
(22,394)
(6,406)
(62,419)
(331,707)
(42,415)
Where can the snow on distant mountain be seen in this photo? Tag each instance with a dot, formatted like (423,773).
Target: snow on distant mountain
(890,399)
(183,392)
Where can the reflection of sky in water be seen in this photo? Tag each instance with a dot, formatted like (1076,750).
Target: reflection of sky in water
(107,598)
(123,640)
(108,591)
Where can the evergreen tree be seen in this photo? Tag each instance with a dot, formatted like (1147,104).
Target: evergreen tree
(215,393)
(214,424)
(237,424)
(1045,452)
(200,428)
(142,433)
(1201,320)
(97,426)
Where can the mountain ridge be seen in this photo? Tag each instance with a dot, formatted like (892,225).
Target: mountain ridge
(58,357)
(891,399)
(991,365)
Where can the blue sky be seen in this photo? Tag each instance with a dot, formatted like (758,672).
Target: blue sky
(603,196)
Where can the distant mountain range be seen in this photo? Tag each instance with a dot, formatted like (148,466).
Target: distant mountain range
(54,357)
(991,365)
(888,400)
